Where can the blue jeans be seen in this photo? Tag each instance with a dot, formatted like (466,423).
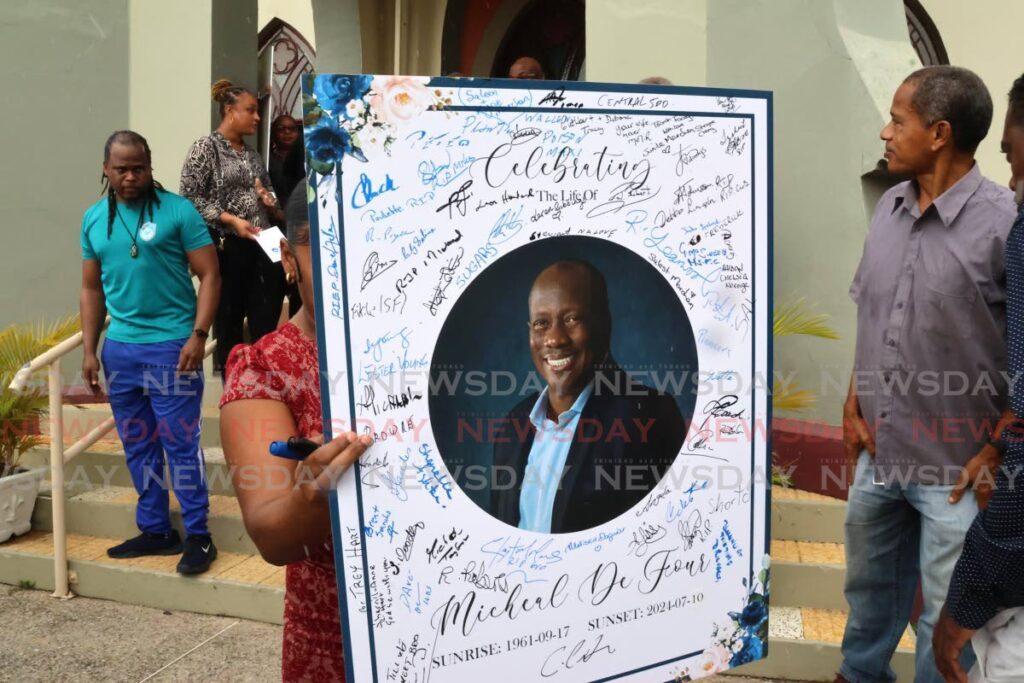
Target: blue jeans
(894,534)
(157,411)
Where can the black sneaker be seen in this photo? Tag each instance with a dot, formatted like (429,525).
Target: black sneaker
(147,544)
(198,555)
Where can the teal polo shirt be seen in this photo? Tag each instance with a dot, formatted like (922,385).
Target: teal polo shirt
(150,298)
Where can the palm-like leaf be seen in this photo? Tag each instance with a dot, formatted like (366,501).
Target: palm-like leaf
(795,318)
(785,396)
(790,319)
(20,412)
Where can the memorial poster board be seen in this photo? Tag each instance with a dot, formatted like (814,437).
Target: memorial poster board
(482,245)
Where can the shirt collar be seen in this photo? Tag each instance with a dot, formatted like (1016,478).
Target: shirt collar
(949,204)
(223,141)
(540,408)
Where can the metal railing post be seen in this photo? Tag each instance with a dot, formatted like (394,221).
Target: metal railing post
(60,541)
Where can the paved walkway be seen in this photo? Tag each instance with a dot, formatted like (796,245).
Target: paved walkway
(43,639)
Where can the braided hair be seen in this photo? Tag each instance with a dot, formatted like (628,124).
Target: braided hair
(225,93)
(151,198)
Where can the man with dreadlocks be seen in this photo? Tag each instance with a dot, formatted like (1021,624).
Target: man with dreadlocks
(137,246)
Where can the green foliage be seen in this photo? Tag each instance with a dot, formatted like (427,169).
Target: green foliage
(787,397)
(20,412)
(26,584)
(782,476)
(795,318)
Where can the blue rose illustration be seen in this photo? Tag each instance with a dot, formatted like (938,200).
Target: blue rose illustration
(753,615)
(327,142)
(334,92)
(753,649)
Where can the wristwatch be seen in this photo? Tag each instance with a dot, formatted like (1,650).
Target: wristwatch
(202,334)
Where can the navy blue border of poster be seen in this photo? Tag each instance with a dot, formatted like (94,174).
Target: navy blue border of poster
(504,84)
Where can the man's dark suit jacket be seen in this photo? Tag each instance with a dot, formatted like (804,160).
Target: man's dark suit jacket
(632,434)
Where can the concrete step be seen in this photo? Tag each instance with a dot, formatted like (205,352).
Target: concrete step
(804,516)
(806,574)
(804,645)
(103,465)
(110,512)
(237,585)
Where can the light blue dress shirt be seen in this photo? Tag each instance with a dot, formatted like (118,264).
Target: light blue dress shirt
(546,461)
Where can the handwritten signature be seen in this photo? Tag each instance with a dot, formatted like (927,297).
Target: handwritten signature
(629,193)
(566,658)
(458,200)
(715,410)
(365,192)
(644,536)
(373,267)
(507,226)
(447,275)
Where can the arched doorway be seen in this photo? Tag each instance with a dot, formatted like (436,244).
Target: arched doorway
(924,35)
(552,31)
(289,56)
(484,37)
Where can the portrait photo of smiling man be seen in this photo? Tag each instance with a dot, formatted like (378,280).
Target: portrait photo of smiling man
(593,442)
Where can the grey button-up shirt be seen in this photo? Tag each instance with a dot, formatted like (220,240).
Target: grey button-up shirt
(930,363)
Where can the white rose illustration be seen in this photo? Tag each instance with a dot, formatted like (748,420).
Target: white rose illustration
(354,108)
(398,99)
(370,140)
(714,660)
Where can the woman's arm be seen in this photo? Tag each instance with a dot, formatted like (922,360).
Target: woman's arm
(197,181)
(284,503)
(266,193)
(199,186)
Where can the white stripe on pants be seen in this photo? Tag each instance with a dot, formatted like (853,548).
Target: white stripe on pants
(999,646)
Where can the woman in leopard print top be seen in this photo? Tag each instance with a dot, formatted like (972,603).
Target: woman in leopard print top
(228,183)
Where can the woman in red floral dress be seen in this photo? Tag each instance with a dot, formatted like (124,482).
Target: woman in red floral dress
(272,392)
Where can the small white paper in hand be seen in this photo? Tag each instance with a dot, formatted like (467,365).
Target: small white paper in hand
(270,241)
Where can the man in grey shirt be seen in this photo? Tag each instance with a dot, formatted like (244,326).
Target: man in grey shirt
(929,383)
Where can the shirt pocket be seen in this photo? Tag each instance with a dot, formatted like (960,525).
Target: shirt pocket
(944,300)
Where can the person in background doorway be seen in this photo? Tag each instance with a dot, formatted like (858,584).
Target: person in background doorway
(526,68)
(294,171)
(138,244)
(284,132)
(227,181)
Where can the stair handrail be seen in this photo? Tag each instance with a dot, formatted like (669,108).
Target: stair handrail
(51,360)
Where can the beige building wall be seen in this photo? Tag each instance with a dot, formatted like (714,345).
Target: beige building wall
(65,85)
(987,38)
(169,100)
(417,24)
(298,13)
(832,65)
(628,41)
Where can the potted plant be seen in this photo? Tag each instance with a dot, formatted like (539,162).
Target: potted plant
(20,415)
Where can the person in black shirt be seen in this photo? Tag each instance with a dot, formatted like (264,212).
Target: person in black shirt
(284,132)
(985,603)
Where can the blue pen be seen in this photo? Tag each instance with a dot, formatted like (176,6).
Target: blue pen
(294,448)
